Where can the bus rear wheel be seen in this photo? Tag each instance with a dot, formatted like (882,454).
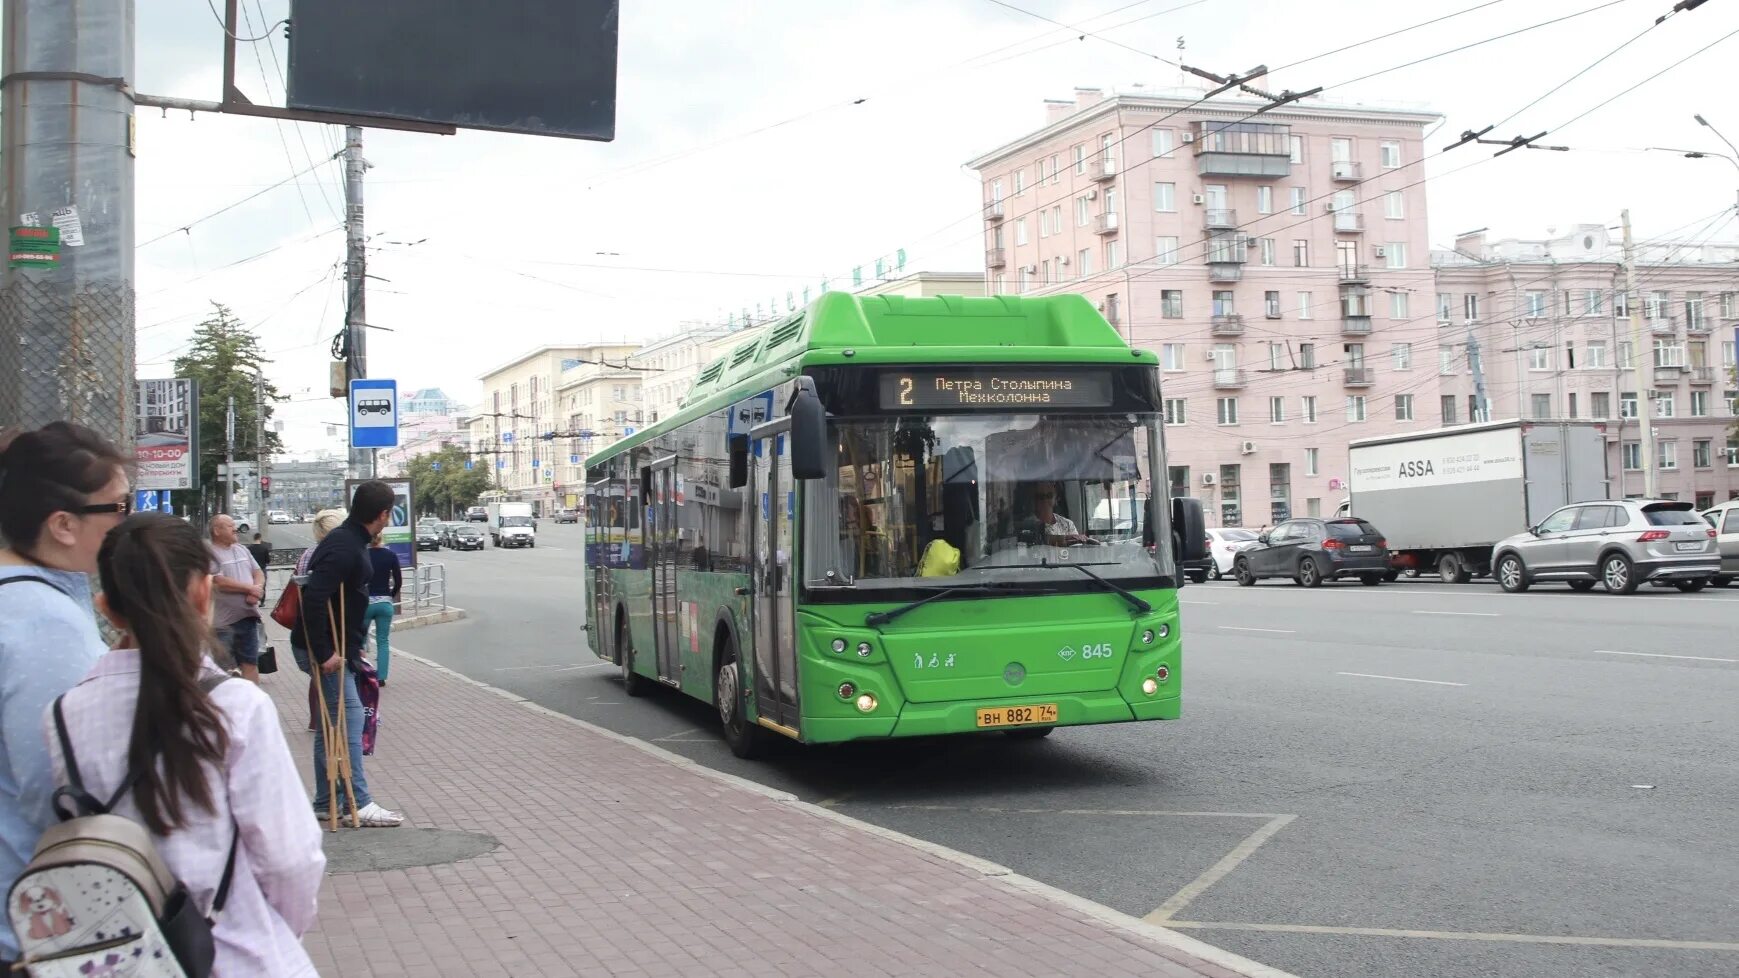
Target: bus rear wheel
(743,738)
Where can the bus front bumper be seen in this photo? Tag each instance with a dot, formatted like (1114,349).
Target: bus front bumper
(933,719)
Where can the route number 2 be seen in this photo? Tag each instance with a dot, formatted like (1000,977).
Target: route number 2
(906,390)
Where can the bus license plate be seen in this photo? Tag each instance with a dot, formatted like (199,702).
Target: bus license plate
(1014,716)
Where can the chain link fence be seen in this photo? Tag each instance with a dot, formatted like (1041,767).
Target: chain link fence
(67,357)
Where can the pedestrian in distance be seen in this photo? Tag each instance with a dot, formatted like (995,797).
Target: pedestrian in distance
(62,487)
(335,598)
(210,774)
(238,586)
(262,551)
(384,585)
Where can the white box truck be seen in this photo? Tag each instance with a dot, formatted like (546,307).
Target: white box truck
(1442,498)
(512,525)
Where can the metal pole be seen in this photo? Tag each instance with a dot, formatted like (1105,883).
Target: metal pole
(228,456)
(260,457)
(66,328)
(355,277)
(1645,407)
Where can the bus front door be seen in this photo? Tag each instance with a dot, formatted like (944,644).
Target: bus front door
(774,516)
(662,560)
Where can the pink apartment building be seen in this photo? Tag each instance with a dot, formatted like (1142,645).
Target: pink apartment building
(1552,320)
(1278,264)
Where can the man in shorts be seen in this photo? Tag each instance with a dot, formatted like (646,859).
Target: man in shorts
(238,587)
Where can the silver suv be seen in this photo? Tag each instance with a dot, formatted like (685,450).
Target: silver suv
(1616,542)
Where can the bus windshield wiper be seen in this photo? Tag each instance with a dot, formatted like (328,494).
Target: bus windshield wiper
(1134,602)
(878,618)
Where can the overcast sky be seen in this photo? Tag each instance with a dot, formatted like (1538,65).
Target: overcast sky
(743,166)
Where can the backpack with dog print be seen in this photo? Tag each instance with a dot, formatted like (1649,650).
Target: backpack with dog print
(97,900)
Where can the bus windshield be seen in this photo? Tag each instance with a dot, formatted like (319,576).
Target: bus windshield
(1020,497)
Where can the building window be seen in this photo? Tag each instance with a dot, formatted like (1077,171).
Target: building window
(1277,410)
(1600,405)
(1019,182)
(1445,307)
(1654,306)
(1026,278)
(1020,232)
(1403,407)
(1264,200)
(1396,253)
(1392,206)
(1229,496)
(1228,408)
(1595,356)
(1540,406)
(1171,304)
(1621,305)
(1267,248)
(1084,262)
(1307,356)
(1223,302)
(1307,408)
(1175,414)
(1164,142)
(1668,354)
(1446,404)
(1304,304)
(1540,358)
(1298,201)
(1732,451)
(1627,405)
(1632,456)
(1730,305)
(1727,352)
(1694,310)
(1311,458)
(1083,212)
(1356,407)
(1403,355)
(1445,361)
(1534,304)
(1165,251)
(1300,252)
(1470,306)
(1667,454)
(1665,405)
(1171,356)
(1279,491)
(1702,453)
(1276,356)
(1055,168)
(1113,254)
(1297,148)
(1164,196)
(1079,153)
(1389,154)
(1271,305)
(1699,404)
(1570,412)
(1593,301)
(1398,305)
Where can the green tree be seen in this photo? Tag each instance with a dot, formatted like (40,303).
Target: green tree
(450,488)
(225,358)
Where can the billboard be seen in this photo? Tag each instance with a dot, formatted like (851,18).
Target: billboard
(528,66)
(166,433)
(399,535)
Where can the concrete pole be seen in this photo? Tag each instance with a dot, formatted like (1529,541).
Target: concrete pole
(1645,405)
(66,330)
(355,281)
(229,479)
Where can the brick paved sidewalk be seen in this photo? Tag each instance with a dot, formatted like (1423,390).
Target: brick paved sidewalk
(618,859)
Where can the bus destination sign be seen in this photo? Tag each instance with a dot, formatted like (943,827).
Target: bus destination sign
(993,388)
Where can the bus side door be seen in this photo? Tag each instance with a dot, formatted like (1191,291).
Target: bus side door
(771,489)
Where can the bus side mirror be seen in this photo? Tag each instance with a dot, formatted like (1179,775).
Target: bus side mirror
(739,451)
(808,432)
(1190,526)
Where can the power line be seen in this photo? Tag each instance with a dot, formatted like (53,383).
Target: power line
(190,225)
(246,40)
(1084,32)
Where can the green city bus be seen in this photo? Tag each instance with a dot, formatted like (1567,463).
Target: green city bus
(892,516)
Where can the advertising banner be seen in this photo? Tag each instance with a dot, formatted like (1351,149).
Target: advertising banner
(166,433)
(399,535)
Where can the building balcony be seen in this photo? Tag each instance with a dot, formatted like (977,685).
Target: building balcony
(1360,376)
(1355,325)
(1105,223)
(1228,324)
(1230,378)
(1102,170)
(1663,324)
(1346,171)
(1700,325)
(995,257)
(1225,271)
(1668,374)
(993,210)
(1354,274)
(1219,218)
(1702,376)
(1350,222)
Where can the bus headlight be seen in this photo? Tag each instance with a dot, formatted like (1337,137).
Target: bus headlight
(1150,685)
(838,645)
(1164,629)
(1147,637)
(866,703)
(864,650)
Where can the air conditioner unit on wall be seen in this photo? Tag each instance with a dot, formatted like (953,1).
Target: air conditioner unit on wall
(1198,198)
(1248,448)
(1189,137)
(1208,478)
(1211,357)
(1091,194)
(1063,259)
(1380,251)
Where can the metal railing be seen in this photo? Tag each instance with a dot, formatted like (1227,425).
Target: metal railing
(425,592)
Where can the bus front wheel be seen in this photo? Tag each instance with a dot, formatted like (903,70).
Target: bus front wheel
(633,683)
(743,738)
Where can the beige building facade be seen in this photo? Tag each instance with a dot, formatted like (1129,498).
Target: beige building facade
(518,407)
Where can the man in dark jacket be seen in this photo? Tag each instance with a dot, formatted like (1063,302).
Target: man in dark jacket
(337,580)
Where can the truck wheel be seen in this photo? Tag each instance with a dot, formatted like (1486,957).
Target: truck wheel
(1617,574)
(1512,575)
(1308,575)
(1450,569)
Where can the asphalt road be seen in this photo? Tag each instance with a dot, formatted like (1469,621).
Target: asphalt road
(1412,780)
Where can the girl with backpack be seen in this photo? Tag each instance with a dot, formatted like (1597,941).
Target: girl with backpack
(62,487)
(200,762)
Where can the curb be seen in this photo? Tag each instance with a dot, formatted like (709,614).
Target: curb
(430,618)
(983,867)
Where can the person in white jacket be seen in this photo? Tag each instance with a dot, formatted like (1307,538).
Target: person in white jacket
(212,769)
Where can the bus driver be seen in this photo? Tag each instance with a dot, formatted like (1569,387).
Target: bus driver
(1058,530)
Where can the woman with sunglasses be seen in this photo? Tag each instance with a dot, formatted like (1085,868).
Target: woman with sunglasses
(62,487)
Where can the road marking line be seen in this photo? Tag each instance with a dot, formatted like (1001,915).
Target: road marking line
(680,733)
(589,665)
(1218,871)
(1443,935)
(1399,679)
(1131,812)
(1465,614)
(1662,655)
(1271,631)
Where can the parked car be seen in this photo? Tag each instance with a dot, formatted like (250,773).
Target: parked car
(467,537)
(1620,543)
(1224,544)
(1725,521)
(446,532)
(477,514)
(567,516)
(1310,551)
(428,536)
